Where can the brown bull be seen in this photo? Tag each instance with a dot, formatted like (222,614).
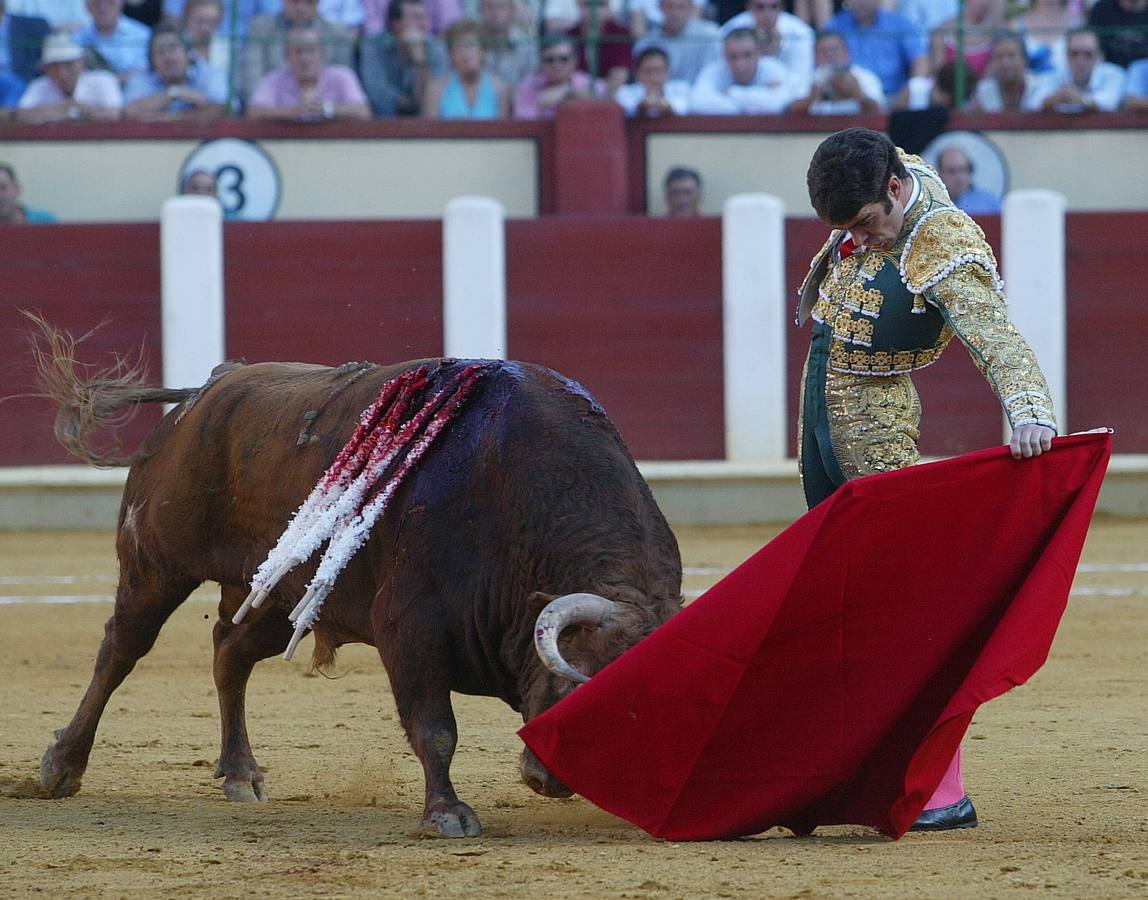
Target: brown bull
(528,494)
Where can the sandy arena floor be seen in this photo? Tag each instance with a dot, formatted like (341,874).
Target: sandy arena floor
(1058,769)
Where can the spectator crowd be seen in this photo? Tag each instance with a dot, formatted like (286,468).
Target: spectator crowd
(323,60)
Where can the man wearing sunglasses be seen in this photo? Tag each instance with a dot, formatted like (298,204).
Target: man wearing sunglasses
(557,80)
(1091,84)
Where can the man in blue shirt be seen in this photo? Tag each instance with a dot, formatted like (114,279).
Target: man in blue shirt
(1136,86)
(176,86)
(121,42)
(956,170)
(21,38)
(882,41)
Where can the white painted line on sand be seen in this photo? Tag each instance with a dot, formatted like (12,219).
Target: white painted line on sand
(57,598)
(57,579)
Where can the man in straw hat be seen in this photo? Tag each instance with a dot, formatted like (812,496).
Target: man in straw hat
(67,91)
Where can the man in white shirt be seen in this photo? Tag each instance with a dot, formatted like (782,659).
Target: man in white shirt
(781,35)
(1092,84)
(840,86)
(653,94)
(66,91)
(742,83)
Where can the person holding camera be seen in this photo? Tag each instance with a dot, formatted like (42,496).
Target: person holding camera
(840,87)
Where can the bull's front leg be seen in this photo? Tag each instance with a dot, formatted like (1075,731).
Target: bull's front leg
(423,701)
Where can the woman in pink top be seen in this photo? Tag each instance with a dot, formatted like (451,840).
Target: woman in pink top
(983,19)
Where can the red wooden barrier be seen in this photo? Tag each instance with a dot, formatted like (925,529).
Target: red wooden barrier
(632,309)
(76,276)
(629,306)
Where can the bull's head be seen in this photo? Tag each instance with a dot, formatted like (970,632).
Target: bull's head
(605,630)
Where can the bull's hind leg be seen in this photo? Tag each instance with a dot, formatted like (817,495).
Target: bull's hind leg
(145,598)
(237,649)
(422,696)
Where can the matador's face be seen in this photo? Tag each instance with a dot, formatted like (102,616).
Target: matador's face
(875,225)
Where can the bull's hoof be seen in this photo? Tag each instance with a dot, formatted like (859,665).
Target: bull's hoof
(238,790)
(452,820)
(56,778)
(242,781)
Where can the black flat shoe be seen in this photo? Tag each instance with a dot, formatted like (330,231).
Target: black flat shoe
(957,815)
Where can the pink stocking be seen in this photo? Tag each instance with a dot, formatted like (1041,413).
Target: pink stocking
(952,788)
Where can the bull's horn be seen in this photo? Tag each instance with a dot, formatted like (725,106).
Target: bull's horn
(559,614)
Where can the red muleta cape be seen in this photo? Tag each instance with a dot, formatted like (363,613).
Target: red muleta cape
(830,678)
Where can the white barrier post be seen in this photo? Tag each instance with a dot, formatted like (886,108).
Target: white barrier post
(1032,251)
(191,264)
(474,279)
(753,326)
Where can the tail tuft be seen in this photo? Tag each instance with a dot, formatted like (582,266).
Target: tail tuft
(92,401)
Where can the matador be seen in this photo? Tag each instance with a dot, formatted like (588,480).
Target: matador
(903,271)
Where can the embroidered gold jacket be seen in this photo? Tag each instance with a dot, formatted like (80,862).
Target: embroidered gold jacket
(894,311)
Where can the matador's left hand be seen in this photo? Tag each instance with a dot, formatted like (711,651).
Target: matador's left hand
(1030,440)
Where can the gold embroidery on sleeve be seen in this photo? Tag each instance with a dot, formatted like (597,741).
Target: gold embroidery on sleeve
(976,312)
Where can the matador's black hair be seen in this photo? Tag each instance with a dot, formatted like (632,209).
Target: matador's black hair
(849,170)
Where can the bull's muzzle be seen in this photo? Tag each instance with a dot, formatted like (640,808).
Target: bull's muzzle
(539,778)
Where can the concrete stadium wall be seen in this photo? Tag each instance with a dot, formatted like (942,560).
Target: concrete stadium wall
(586,161)
(127,180)
(771,155)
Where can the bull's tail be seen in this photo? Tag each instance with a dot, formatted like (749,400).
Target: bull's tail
(92,401)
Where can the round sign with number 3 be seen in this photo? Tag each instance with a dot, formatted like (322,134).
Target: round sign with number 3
(248,183)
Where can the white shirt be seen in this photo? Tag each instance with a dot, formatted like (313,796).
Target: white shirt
(348,13)
(715,92)
(92,88)
(867,80)
(1105,87)
(652,10)
(677,94)
(797,40)
(567,10)
(989,99)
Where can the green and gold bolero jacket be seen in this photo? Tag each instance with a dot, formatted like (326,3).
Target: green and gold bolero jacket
(894,311)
